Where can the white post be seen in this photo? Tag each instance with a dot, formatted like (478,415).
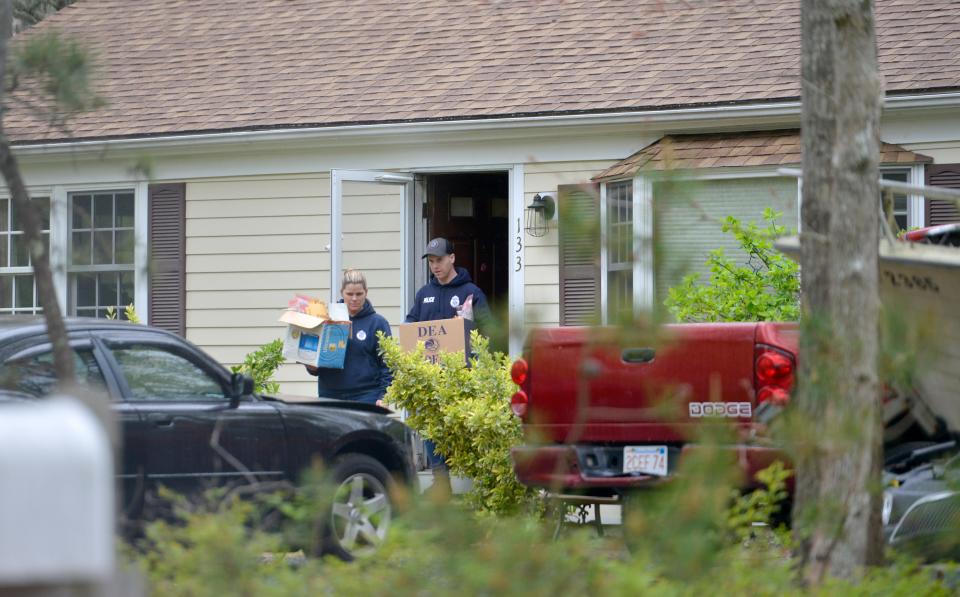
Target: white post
(517,261)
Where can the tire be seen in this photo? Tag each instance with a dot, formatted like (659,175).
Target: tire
(361,509)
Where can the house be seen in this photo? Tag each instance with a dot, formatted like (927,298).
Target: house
(288,139)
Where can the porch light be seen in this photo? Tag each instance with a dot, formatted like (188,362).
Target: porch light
(539,212)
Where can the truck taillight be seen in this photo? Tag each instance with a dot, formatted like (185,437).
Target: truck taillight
(518,372)
(777,396)
(518,403)
(773,374)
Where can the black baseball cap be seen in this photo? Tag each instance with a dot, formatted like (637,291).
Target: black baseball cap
(438,247)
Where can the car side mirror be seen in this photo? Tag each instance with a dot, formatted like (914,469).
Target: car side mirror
(240,385)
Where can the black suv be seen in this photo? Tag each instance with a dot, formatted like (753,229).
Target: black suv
(190,424)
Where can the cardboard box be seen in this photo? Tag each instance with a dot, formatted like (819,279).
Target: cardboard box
(315,341)
(440,335)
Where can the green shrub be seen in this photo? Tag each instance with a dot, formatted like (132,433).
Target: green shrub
(261,364)
(760,505)
(466,412)
(766,288)
(439,549)
(129,313)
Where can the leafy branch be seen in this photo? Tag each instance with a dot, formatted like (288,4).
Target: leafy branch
(764,288)
(261,364)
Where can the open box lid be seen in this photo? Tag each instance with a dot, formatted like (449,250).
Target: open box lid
(301,320)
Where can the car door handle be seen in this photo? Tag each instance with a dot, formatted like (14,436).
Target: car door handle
(160,420)
(638,355)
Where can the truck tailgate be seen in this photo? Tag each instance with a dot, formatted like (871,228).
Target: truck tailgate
(596,385)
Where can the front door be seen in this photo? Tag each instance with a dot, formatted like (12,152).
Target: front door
(471,210)
(371,231)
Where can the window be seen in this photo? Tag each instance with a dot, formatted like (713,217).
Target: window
(97,240)
(35,375)
(101,254)
(158,373)
(690,214)
(900,203)
(18,293)
(620,249)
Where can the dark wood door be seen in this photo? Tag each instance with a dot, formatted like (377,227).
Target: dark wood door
(471,210)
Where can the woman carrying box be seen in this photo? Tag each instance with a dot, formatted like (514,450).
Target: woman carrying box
(364,377)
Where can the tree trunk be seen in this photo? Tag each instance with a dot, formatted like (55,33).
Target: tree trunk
(838,450)
(40,259)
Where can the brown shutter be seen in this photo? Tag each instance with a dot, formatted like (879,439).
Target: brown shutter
(167,213)
(579,209)
(937,210)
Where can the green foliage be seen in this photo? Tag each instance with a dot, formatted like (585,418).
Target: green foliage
(439,549)
(129,313)
(215,552)
(466,412)
(679,527)
(58,66)
(27,13)
(142,168)
(261,364)
(766,288)
(760,505)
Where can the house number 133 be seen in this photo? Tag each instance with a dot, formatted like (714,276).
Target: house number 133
(519,248)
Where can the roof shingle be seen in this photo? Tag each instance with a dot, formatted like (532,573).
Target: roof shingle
(731,150)
(182,66)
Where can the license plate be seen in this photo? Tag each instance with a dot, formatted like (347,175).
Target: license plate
(649,460)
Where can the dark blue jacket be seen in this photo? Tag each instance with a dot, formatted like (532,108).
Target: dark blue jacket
(364,376)
(440,301)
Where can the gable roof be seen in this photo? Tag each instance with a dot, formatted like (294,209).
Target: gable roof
(730,150)
(186,66)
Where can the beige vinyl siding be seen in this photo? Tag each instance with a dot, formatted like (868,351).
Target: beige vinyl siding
(542,274)
(942,152)
(252,243)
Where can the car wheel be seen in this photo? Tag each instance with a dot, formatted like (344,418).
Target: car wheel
(361,511)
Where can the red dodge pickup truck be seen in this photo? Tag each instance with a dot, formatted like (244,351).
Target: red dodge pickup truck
(603,413)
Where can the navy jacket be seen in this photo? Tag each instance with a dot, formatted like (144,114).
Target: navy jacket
(440,301)
(364,377)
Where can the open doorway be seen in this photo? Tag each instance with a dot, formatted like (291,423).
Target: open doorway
(471,210)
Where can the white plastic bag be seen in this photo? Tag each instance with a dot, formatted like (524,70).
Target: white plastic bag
(466,309)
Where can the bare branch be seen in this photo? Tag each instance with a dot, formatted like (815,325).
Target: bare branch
(40,259)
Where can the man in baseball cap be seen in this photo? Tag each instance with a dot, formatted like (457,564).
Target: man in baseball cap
(449,293)
(449,288)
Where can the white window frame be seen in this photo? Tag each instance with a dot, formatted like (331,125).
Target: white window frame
(916,209)
(916,202)
(33,191)
(644,277)
(916,212)
(60,239)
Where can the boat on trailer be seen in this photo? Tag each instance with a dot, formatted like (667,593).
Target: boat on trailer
(919,288)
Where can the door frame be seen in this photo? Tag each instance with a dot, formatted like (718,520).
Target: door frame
(413,232)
